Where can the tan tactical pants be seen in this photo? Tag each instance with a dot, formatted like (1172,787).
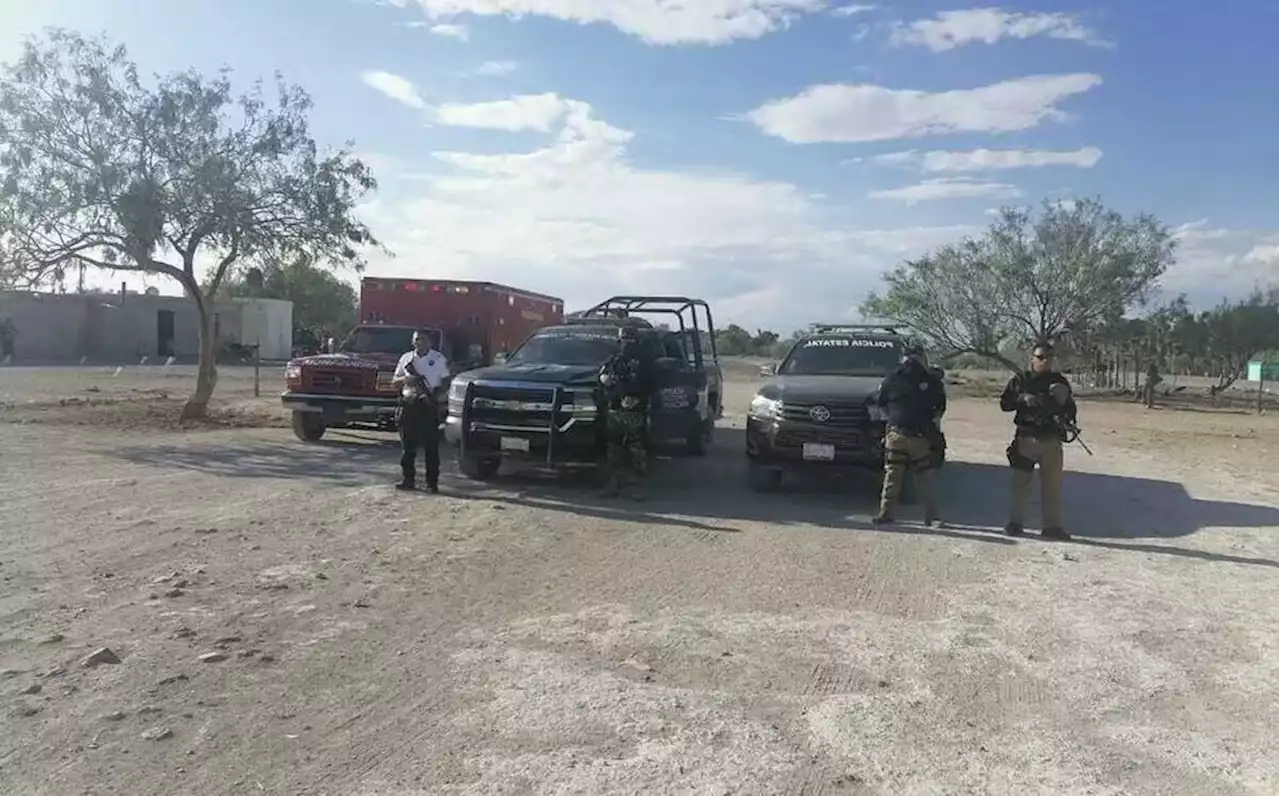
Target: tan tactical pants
(900,452)
(1045,452)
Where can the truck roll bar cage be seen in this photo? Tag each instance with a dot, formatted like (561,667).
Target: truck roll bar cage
(683,308)
(828,328)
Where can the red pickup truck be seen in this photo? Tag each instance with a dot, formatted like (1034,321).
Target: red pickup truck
(350,387)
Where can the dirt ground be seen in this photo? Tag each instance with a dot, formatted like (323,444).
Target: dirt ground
(286,623)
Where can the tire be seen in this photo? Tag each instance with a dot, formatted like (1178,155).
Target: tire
(696,444)
(478,469)
(764,479)
(307,426)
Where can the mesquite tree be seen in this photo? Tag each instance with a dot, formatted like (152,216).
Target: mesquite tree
(1028,278)
(100,169)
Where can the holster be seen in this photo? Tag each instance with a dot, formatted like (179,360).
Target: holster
(1016,460)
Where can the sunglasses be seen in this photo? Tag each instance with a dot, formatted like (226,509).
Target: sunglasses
(1042,356)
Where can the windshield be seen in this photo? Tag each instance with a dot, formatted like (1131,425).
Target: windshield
(566,348)
(380,340)
(842,356)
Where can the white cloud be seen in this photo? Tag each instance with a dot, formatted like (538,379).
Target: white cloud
(951,29)
(459,32)
(852,9)
(496,68)
(947,188)
(989,159)
(394,86)
(1215,262)
(653,21)
(852,113)
(537,112)
(577,219)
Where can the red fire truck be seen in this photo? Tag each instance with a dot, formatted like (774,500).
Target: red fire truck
(350,387)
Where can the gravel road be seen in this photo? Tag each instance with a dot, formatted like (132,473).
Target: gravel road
(286,623)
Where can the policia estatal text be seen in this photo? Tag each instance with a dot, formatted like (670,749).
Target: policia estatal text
(1043,409)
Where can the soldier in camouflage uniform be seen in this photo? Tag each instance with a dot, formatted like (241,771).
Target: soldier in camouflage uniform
(1041,400)
(626,382)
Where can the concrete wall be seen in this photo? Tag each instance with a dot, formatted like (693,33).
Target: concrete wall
(110,327)
(267,322)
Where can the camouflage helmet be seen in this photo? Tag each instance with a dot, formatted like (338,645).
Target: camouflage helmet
(912,347)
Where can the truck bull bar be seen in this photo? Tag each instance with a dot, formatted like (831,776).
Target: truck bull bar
(553,429)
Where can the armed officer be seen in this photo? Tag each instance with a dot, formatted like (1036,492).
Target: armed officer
(914,399)
(626,387)
(419,374)
(1042,402)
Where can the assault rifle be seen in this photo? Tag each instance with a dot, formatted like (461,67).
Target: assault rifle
(1069,432)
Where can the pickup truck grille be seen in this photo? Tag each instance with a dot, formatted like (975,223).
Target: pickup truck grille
(338,382)
(514,406)
(843,415)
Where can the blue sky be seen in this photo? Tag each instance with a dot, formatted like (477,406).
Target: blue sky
(586,148)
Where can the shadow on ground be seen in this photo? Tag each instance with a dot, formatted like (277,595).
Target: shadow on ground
(707,493)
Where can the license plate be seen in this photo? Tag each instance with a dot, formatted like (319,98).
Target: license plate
(823,453)
(515,444)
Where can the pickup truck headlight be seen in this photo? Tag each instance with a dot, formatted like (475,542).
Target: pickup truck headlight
(457,393)
(763,408)
(292,376)
(384,382)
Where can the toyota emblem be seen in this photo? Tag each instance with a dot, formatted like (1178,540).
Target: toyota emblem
(820,413)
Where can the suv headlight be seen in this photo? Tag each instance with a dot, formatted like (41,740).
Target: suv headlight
(877,413)
(763,408)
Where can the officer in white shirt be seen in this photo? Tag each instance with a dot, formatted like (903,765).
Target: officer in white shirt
(419,374)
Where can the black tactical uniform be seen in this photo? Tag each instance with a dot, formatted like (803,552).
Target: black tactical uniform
(913,398)
(626,388)
(1041,403)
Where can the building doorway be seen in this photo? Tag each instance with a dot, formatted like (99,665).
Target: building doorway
(164,333)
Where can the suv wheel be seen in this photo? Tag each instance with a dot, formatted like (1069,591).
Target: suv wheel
(764,479)
(696,444)
(308,426)
(479,469)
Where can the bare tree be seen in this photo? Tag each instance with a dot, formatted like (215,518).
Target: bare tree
(99,170)
(1075,266)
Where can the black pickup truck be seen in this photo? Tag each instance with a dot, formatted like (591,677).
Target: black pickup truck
(818,407)
(540,406)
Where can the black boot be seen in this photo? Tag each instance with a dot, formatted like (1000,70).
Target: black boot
(1056,533)
(1013,529)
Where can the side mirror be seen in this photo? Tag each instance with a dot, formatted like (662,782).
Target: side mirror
(500,358)
(769,370)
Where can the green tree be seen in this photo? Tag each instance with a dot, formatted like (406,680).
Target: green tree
(103,170)
(323,303)
(733,340)
(1027,278)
